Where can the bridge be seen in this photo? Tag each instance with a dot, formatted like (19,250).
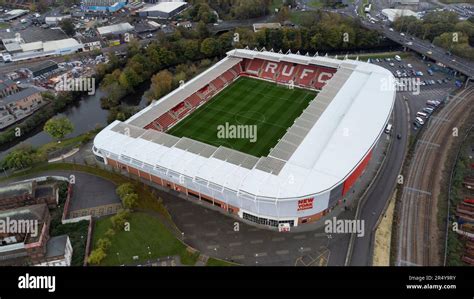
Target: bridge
(461,65)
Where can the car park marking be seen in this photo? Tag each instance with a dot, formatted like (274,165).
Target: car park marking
(279,239)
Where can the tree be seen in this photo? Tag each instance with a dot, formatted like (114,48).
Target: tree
(58,127)
(209,47)
(19,158)
(283,14)
(96,256)
(104,244)
(125,189)
(161,84)
(68,27)
(202,30)
(129,201)
(119,219)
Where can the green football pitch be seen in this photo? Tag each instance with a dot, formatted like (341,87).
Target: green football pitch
(266,109)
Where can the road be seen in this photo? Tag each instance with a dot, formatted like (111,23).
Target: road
(438,54)
(382,189)
(417,233)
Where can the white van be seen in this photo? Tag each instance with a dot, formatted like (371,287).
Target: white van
(388,129)
(421,114)
(398,58)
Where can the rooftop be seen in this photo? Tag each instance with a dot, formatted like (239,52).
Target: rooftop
(56,246)
(115,29)
(166,7)
(16,189)
(19,95)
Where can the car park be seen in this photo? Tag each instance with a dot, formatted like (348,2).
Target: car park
(428,110)
(419,120)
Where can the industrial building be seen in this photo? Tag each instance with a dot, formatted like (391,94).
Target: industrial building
(102,5)
(19,50)
(12,14)
(115,29)
(162,10)
(393,14)
(308,172)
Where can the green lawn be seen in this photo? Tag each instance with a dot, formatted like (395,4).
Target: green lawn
(316,3)
(145,232)
(270,107)
(218,263)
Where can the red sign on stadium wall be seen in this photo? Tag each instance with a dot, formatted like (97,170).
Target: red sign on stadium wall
(305,204)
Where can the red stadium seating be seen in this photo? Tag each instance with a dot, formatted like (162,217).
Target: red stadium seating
(228,76)
(306,75)
(309,76)
(217,83)
(269,70)
(194,100)
(323,76)
(254,66)
(287,72)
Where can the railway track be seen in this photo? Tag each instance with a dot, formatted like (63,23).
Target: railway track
(417,242)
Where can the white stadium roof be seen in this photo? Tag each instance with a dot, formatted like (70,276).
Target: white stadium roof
(358,103)
(166,7)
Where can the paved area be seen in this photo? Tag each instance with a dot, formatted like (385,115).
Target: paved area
(216,234)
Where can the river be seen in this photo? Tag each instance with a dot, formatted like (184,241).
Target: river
(85,116)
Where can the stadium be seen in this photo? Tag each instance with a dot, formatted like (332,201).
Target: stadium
(317,119)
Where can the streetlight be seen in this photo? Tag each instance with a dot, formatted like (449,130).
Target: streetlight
(149,254)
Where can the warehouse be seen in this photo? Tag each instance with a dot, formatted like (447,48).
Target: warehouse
(116,29)
(162,10)
(43,68)
(19,50)
(102,5)
(394,14)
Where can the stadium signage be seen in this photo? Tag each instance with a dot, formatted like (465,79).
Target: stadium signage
(305,204)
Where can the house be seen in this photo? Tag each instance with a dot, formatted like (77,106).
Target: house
(25,239)
(7,87)
(28,193)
